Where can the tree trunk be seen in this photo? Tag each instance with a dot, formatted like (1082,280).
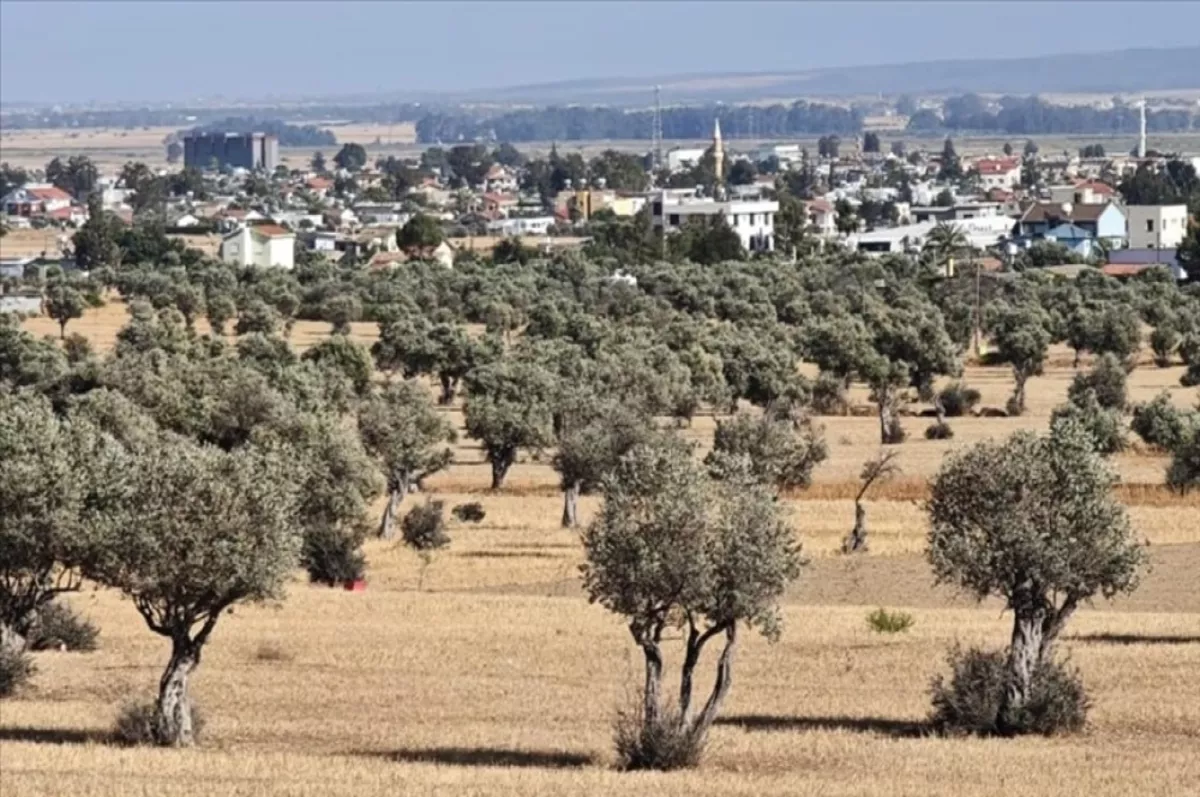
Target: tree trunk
(449,386)
(720,687)
(570,516)
(1019,394)
(856,540)
(62,330)
(173,714)
(500,466)
(1025,649)
(11,640)
(652,691)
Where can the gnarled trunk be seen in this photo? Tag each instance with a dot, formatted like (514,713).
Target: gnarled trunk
(1025,652)
(1018,397)
(11,640)
(449,388)
(500,465)
(721,685)
(856,540)
(398,488)
(648,639)
(173,712)
(570,516)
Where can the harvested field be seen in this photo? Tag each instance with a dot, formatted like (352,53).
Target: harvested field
(497,677)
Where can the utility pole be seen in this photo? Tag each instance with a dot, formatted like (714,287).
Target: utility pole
(656,132)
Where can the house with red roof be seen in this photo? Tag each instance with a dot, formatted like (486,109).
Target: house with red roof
(262,245)
(1002,172)
(1083,192)
(35,199)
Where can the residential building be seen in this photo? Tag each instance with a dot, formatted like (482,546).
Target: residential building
(251,151)
(1157,226)
(382,213)
(36,199)
(1085,192)
(1127,262)
(14,267)
(263,245)
(500,180)
(27,304)
(682,158)
(498,205)
(629,205)
(1104,221)
(1074,238)
(752,219)
(539,225)
(960,211)
(999,172)
(822,216)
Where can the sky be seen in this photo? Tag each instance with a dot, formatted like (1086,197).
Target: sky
(53,51)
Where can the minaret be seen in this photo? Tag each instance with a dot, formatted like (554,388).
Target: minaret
(718,158)
(1142,128)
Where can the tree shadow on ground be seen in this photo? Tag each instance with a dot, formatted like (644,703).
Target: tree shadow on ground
(54,736)
(878,725)
(486,757)
(1136,639)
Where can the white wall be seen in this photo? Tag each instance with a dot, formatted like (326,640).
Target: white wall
(1156,226)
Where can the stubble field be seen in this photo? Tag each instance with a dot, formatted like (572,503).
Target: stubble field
(490,673)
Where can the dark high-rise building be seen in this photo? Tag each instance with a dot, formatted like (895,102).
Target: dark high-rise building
(251,151)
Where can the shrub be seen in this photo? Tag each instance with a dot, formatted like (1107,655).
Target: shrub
(15,670)
(829,396)
(1163,342)
(664,745)
(1106,380)
(882,621)
(59,627)
(469,513)
(939,431)
(957,399)
(1189,348)
(1103,425)
(1183,474)
(272,651)
(424,527)
(1160,423)
(1191,377)
(972,702)
(331,556)
(137,724)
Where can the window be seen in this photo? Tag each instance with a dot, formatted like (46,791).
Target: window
(673,219)
(1149,225)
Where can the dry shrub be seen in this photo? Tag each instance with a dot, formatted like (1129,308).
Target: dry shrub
(939,431)
(137,724)
(957,399)
(469,513)
(663,745)
(60,628)
(16,668)
(424,527)
(881,621)
(971,703)
(272,651)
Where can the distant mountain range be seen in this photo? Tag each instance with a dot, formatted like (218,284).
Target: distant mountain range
(1119,71)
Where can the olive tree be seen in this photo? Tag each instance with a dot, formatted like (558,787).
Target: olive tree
(52,479)
(197,530)
(408,439)
(64,303)
(589,448)
(672,547)
(782,451)
(507,409)
(1032,520)
(1183,474)
(1021,339)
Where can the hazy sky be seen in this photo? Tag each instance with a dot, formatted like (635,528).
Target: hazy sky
(181,51)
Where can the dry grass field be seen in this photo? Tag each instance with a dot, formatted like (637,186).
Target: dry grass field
(496,677)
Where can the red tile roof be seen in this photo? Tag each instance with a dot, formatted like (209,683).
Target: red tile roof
(996,165)
(1103,189)
(50,192)
(1125,269)
(270,230)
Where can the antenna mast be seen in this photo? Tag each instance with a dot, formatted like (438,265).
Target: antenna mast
(657,133)
(1142,128)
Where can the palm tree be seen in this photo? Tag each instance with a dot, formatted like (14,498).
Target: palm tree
(944,242)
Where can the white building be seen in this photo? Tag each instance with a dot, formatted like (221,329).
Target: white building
(1004,173)
(752,219)
(539,225)
(263,245)
(1156,226)
(682,158)
(382,213)
(35,199)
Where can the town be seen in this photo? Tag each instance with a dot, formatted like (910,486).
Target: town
(816,430)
